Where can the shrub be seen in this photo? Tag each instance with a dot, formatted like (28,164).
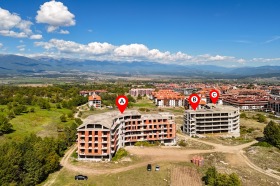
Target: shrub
(213,178)
(63,118)
(143,143)
(262,144)
(243,115)
(272,134)
(182,143)
(120,154)
(32,109)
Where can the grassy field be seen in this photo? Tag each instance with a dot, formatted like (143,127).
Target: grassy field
(41,122)
(144,103)
(138,176)
(264,157)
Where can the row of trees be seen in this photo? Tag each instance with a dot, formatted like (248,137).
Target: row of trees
(214,178)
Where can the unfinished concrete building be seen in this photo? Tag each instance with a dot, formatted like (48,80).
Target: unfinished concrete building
(212,119)
(101,135)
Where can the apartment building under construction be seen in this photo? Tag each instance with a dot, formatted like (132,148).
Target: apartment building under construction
(212,119)
(101,135)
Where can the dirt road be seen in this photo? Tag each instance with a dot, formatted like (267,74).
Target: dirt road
(162,154)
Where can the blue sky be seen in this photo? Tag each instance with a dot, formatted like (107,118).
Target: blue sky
(226,33)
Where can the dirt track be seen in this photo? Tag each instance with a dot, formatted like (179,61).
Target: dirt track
(167,154)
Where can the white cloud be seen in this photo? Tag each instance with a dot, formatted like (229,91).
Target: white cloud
(64,32)
(55,14)
(131,52)
(94,48)
(1,45)
(275,38)
(10,23)
(265,59)
(36,36)
(21,48)
(11,33)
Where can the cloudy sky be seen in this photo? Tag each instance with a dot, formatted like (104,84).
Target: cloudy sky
(226,33)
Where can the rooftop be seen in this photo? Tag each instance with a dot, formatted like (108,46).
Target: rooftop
(106,119)
(214,108)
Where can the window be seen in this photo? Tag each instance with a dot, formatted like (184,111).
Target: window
(95,151)
(89,151)
(96,133)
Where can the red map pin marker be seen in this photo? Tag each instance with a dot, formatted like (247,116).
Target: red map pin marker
(194,100)
(122,103)
(214,96)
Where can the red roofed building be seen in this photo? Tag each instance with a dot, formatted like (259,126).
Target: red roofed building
(168,98)
(94,101)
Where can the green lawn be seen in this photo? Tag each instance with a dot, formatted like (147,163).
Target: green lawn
(41,122)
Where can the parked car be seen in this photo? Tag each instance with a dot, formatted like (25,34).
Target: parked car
(157,168)
(81,177)
(149,167)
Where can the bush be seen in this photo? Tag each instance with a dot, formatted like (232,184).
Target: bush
(261,118)
(143,143)
(262,144)
(243,115)
(213,178)
(182,143)
(63,118)
(80,114)
(32,109)
(144,109)
(58,106)
(5,125)
(120,154)
(70,115)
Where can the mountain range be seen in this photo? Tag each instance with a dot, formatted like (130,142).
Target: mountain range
(20,65)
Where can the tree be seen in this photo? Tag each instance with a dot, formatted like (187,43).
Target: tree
(261,118)
(78,121)
(32,109)
(272,134)
(131,99)
(58,106)
(139,97)
(5,125)
(63,118)
(70,115)
(213,178)
(211,175)
(243,115)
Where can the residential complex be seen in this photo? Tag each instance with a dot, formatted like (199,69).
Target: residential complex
(247,99)
(212,119)
(101,135)
(94,101)
(168,98)
(141,91)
